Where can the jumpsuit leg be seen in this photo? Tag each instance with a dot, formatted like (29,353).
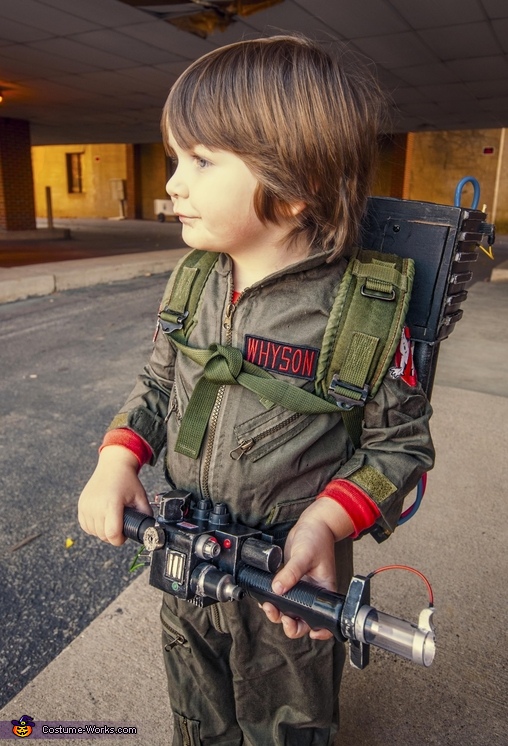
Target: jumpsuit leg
(196,658)
(248,684)
(286,691)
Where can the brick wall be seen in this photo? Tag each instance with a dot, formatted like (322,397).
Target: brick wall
(17,207)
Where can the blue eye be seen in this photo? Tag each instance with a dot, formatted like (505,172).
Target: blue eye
(201,162)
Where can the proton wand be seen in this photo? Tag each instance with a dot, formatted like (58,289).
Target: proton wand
(199,555)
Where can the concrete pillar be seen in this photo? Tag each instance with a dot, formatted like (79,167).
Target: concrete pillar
(402,151)
(17,204)
(134,199)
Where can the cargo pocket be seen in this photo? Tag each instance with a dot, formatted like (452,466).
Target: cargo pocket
(264,433)
(187,730)
(173,636)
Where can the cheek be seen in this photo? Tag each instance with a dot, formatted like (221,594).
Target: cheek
(240,225)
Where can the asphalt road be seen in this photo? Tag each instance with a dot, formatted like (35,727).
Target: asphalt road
(68,362)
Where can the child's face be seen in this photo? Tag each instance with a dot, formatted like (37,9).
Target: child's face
(212,193)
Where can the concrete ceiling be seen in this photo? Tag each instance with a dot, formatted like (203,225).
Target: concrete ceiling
(100,70)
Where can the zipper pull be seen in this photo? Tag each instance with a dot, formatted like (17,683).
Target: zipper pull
(228,318)
(244,447)
(172,408)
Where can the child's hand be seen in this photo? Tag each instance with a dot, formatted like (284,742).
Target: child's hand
(310,555)
(113,486)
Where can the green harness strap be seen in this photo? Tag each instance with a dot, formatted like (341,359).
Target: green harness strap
(363,332)
(360,339)
(178,314)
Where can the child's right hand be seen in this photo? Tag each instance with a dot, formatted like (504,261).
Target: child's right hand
(310,555)
(113,486)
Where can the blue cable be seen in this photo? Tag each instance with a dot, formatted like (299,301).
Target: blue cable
(460,186)
(420,491)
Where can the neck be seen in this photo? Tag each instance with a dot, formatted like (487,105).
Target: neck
(251,268)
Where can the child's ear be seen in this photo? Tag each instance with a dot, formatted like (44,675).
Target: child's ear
(286,210)
(295,208)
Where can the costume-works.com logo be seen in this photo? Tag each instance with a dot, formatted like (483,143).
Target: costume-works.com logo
(23,727)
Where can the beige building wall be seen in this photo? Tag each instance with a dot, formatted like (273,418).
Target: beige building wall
(501,217)
(434,164)
(441,159)
(100,164)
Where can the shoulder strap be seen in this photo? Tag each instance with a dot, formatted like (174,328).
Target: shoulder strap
(363,332)
(181,298)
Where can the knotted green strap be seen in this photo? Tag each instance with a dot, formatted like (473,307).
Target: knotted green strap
(226,366)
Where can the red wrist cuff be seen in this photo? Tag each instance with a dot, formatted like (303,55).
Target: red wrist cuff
(362,510)
(122,436)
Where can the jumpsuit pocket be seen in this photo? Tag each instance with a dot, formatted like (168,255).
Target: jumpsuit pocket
(173,636)
(187,729)
(264,433)
(288,511)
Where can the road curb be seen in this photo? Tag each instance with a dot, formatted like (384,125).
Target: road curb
(18,283)
(37,234)
(16,288)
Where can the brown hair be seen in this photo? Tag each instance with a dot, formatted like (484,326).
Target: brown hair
(306,123)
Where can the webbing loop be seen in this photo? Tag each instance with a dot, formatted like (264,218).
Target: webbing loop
(226,366)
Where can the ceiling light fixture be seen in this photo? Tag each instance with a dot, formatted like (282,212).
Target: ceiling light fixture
(201,17)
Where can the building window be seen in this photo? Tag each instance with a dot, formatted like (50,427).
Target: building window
(74,173)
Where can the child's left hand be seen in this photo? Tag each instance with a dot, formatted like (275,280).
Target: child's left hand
(310,555)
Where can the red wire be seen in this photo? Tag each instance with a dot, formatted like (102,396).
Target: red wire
(409,569)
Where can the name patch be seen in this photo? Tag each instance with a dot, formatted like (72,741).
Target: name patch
(280,357)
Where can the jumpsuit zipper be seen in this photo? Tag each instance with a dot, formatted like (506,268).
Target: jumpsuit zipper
(185,732)
(216,620)
(173,408)
(227,324)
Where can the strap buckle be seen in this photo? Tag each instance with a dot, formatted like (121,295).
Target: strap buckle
(175,322)
(347,402)
(389,295)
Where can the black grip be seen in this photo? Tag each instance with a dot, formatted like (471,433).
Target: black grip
(135,524)
(319,608)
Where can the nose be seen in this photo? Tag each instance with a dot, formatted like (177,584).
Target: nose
(176,186)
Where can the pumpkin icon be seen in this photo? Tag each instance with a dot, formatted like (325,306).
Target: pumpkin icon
(23,727)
